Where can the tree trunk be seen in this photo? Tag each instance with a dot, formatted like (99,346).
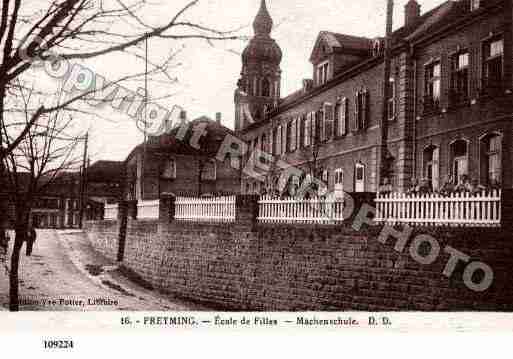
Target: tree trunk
(22,221)
(14,303)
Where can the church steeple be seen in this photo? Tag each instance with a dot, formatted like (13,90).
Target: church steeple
(263,23)
(259,86)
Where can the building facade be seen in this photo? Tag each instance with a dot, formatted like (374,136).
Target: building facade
(449,109)
(182,162)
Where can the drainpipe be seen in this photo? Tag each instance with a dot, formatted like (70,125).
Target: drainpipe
(412,54)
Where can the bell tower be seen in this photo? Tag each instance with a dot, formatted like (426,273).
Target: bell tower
(258,89)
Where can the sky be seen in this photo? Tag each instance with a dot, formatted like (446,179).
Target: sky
(207,75)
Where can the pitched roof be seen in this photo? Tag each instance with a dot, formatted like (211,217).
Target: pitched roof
(105,171)
(209,143)
(348,41)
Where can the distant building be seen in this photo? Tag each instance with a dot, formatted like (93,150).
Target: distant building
(105,181)
(450,107)
(182,162)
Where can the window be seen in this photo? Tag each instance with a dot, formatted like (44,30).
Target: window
(322,73)
(432,167)
(325,175)
(460,78)
(266,88)
(300,131)
(284,136)
(493,64)
(328,122)
(432,87)
(361,110)
(278,141)
(341,112)
(293,134)
(209,172)
(391,100)
(339,183)
(459,160)
(308,130)
(491,163)
(317,127)
(169,170)
(359,178)
(474,4)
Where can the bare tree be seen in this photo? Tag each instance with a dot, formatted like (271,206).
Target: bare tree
(49,151)
(33,32)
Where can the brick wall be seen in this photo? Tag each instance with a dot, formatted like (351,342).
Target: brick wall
(325,268)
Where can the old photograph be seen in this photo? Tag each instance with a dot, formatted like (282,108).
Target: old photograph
(259,156)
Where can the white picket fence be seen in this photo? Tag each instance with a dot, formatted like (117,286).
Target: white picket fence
(300,211)
(216,209)
(111,211)
(148,209)
(458,209)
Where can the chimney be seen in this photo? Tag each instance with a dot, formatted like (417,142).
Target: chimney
(183,117)
(218,117)
(411,13)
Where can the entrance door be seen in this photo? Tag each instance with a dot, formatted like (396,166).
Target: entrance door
(359,178)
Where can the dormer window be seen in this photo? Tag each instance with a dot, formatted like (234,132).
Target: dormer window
(474,4)
(322,73)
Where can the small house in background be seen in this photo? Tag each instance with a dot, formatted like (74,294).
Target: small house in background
(105,181)
(182,162)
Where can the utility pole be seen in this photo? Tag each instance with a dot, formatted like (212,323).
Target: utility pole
(83,181)
(383,150)
(143,162)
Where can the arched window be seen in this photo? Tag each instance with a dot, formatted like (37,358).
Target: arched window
(459,160)
(265,144)
(359,177)
(491,162)
(266,88)
(431,166)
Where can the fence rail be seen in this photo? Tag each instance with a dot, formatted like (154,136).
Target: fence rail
(148,209)
(300,211)
(458,209)
(111,211)
(217,209)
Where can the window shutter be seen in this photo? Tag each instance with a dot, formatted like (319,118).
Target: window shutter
(293,135)
(271,141)
(356,112)
(284,138)
(314,128)
(365,109)
(344,115)
(329,114)
(299,133)
(323,123)
(307,129)
(278,141)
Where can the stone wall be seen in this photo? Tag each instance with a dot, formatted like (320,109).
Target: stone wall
(276,268)
(104,236)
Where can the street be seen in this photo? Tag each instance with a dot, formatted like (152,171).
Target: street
(65,273)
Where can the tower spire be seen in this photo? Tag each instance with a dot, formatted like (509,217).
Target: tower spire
(263,23)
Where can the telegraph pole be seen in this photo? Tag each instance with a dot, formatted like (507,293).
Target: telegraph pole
(83,181)
(383,151)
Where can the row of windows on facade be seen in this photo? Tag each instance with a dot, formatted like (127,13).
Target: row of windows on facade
(317,127)
(56,203)
(336,183)
(490,165)
(208,171)
(491,79)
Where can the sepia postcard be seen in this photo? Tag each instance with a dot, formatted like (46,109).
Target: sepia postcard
(256,165)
